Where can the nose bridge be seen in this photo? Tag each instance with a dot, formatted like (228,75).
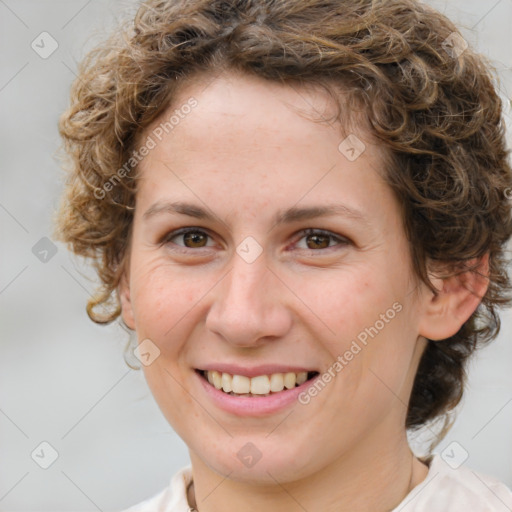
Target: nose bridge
(245,280)
(244,311)
(243,296)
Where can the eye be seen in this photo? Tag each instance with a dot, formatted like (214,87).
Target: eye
(320,239)
(193,238)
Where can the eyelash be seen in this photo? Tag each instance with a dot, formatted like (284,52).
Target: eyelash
(342,241)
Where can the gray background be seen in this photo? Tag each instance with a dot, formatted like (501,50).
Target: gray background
(62,378)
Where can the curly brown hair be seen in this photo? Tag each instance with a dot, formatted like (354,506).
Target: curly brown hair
(428,99)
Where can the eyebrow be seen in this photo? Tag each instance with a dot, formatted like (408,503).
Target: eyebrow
(293,214)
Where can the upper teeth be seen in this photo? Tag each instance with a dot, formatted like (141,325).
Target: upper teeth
(260,385)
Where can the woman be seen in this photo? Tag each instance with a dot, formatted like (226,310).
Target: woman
(301,210)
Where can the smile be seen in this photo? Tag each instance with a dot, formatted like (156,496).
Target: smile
(256,386)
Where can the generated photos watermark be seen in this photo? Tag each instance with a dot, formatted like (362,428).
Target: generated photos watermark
(156,135)
(344,359)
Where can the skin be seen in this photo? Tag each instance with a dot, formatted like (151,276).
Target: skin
(245,152)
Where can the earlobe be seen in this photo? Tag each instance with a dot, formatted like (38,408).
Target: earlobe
(457,298)
(123,292)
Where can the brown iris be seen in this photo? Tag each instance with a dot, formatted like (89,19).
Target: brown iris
(318,243)
(195,237)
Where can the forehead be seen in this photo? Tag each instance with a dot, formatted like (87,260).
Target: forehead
(271,142)
(212,111)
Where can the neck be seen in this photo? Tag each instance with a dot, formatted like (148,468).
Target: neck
(374,481)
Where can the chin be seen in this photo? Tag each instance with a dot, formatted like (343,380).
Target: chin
(258,461)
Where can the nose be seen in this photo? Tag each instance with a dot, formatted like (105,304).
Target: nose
(249,306)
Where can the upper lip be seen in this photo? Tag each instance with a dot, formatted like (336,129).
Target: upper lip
(254,371)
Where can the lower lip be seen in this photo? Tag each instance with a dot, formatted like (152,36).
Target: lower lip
(253,406)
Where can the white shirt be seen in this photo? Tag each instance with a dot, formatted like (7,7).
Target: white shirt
(443,490)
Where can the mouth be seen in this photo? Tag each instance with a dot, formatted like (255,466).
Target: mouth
(257,386)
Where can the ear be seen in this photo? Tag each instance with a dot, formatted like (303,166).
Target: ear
(123,291)
(457,298)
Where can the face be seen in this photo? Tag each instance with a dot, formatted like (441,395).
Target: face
(246,276)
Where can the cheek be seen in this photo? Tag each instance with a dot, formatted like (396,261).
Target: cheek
(162,296)
(370,327)
(350,302)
